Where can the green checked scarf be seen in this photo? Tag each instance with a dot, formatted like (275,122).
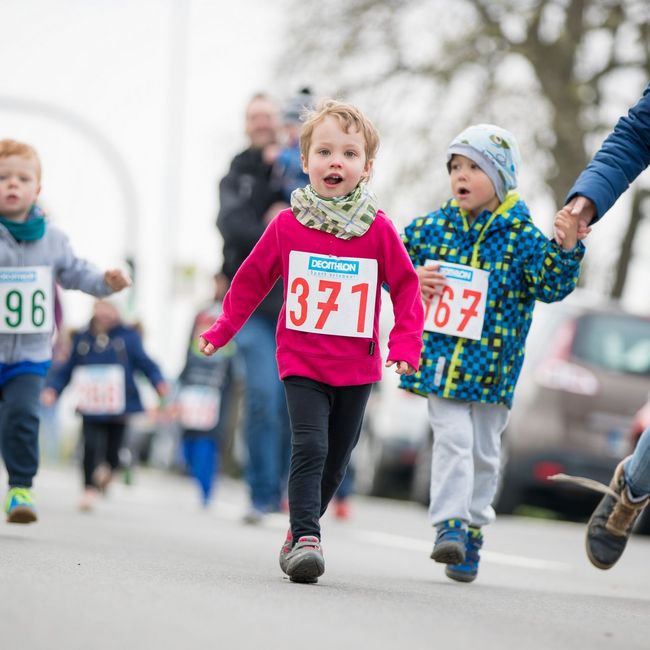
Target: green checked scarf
(344,217)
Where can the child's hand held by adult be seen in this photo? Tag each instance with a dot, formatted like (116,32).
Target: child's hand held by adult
(566,228)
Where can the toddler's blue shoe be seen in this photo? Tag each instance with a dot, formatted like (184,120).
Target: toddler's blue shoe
(467,571)
(19,506)
(449,547)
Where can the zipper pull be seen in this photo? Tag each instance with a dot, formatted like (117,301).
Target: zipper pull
(371,348)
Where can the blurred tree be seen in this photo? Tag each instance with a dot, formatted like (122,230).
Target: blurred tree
(557,72)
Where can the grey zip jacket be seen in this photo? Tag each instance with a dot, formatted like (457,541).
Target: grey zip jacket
(69,271)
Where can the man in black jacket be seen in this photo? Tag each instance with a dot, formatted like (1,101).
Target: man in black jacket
(249,199)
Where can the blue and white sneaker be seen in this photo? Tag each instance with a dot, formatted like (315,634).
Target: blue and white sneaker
(449,547)
(19,506)
(468,570)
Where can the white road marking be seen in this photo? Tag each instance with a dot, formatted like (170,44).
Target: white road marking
(413,544)
(280,521)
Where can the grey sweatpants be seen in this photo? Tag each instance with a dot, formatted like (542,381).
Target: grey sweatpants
(465,461)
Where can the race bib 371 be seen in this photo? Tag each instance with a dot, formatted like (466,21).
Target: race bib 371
(331,295)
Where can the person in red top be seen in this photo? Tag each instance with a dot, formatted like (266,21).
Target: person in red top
(334,250)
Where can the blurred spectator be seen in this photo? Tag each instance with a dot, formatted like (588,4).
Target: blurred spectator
(249,199)
(104,357)
(288,169)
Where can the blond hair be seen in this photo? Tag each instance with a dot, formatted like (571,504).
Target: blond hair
(15,148)
(350,117)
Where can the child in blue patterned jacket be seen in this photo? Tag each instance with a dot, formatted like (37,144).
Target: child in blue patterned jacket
(482,265)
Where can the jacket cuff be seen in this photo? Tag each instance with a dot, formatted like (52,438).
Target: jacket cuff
(574,255)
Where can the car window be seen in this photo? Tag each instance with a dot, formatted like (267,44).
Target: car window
(614,341)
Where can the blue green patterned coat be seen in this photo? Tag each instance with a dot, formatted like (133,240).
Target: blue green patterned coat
(524,266)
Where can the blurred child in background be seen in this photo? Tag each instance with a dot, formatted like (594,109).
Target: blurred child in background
(201,403)
(104,357)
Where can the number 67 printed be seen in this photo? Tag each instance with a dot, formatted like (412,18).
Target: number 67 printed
(460,309)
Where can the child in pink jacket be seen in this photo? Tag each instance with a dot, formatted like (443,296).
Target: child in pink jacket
(334,249)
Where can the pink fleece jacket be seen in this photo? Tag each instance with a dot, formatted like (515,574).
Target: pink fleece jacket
(332,359)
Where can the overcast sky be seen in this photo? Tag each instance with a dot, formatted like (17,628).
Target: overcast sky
(109,65)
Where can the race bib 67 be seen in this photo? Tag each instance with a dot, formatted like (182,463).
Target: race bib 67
(331,295)
(460,310)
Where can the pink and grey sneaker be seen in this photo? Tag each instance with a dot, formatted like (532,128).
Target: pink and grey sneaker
(305,561)
(285,550)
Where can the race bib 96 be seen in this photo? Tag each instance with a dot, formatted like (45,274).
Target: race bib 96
(26,303)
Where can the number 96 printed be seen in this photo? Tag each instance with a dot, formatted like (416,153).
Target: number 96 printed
(25,300)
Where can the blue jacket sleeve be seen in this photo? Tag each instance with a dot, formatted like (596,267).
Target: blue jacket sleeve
(622,157)
(552,273)
(59,375)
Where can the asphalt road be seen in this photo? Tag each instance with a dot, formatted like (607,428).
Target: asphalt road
(150,569)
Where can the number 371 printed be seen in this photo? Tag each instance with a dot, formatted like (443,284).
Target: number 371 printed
(331,295)
(460,309)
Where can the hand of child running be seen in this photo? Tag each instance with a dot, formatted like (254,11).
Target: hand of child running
(48,397)
(403,367)
(117,279)
(206,347)
(566,228)
(162,389)
(431,281)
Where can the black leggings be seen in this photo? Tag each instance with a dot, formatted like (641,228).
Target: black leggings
(325,426)
(102,442)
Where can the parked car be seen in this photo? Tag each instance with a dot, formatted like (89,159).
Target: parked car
(587,369)
(394,427)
